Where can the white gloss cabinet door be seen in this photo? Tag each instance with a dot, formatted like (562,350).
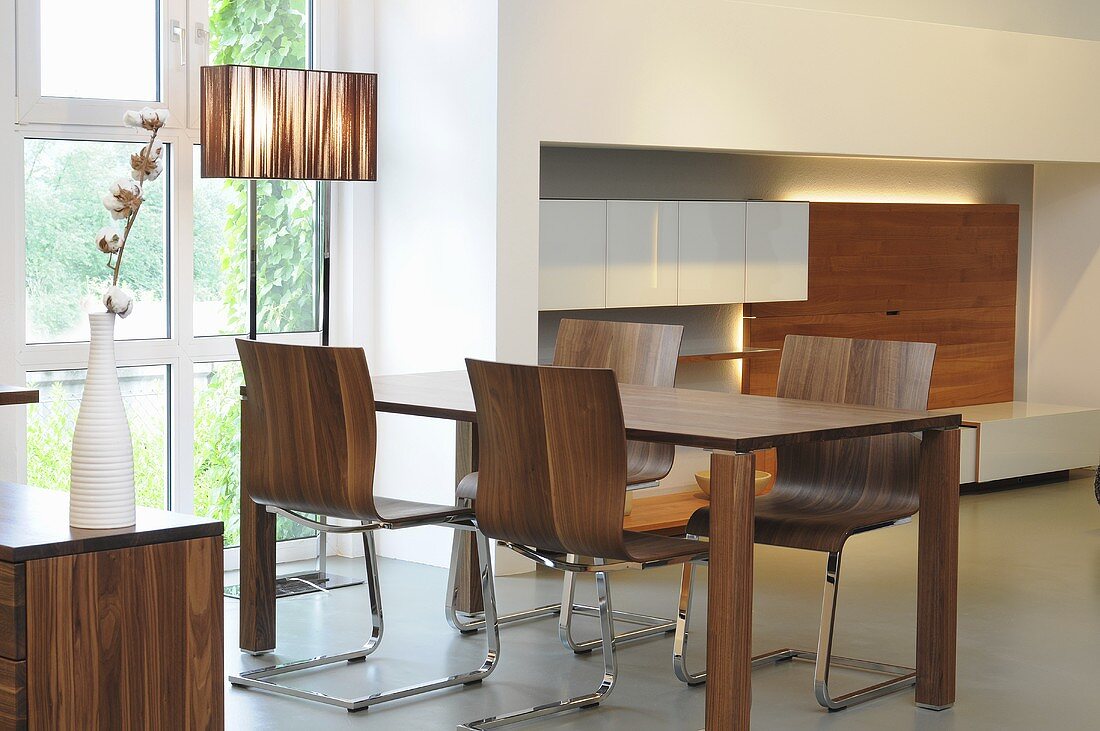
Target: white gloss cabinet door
(777,244)
(641,253)
(712,253)
(572,254)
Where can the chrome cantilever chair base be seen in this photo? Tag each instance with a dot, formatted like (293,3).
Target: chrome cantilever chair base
(467,623)
(261,678)
(574,565)
(607,684)
(901,676)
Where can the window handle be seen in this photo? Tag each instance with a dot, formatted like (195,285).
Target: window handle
(202,39)
(178,33)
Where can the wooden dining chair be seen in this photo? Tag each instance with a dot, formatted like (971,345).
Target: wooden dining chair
(550,487)
(639,354)
(312,451)
(826,492)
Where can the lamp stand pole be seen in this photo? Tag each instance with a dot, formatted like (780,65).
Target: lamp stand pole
(319,579)
(252,246)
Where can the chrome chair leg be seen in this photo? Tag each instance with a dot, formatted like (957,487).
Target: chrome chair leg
(610,673)
(649,626)
(905,677)
(261,679)
(475,622)
(374,594)
(900,676)
(680,644)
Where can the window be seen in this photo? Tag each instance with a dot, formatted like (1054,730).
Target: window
(65,274)
(50,425)
(129,24)
(187,258)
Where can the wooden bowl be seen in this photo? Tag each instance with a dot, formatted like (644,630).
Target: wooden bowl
(762,480)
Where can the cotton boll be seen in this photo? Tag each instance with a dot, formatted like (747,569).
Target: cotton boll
(108,240)
(118,210)
(118,301)
(153,119)
(143,168)
(146,118)
(124,198)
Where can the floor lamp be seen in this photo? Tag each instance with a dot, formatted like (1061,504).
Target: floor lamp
(261,123)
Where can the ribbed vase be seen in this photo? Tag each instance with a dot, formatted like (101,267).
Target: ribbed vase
(102,484)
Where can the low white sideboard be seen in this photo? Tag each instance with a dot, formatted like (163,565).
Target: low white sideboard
(1018,439)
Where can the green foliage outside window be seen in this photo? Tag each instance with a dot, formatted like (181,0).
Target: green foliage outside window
(63,181)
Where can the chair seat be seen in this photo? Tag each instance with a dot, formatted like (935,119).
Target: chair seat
(645,549)
(467,488)
(650,547)
(394,510)
(398,512)
(801,524)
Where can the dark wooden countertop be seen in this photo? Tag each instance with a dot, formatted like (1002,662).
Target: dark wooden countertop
(34,523)
(10,395)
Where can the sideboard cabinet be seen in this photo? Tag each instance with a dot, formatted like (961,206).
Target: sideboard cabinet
(108,629)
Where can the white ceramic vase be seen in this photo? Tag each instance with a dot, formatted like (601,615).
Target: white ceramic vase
(102,484)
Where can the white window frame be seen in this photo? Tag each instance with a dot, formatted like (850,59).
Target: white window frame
(100,120)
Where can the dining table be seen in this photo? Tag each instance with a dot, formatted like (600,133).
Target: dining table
(733,426)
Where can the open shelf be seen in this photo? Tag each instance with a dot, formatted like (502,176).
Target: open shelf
(665,514)
(704,355)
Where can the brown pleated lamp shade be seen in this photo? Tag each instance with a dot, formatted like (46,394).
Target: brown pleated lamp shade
(288,124)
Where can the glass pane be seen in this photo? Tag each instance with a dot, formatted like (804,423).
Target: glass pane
(50,427)
(66,274)
(265,33)
(82,43)
(287,256)
(260,32)
(218,451)
(221,255)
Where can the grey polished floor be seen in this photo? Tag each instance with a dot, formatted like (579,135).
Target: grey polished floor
(1029,636)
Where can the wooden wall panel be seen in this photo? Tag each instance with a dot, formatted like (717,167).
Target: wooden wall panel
(948,271)
(127,639)
(974,353)
(876,257)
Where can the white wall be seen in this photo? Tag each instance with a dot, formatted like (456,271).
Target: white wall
(710,74)
(435,202)
(12,418)
(1065,311)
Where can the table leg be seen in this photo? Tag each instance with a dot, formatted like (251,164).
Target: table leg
(257,620)
(938,569)
(729,614)
(467,588)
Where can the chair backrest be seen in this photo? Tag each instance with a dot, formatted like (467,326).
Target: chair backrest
(312,433)
(640,354)
(552,457)
(869,471)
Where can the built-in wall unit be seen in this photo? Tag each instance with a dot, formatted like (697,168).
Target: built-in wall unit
(745,249)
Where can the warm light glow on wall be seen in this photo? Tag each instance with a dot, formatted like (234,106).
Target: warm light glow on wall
(834,194)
